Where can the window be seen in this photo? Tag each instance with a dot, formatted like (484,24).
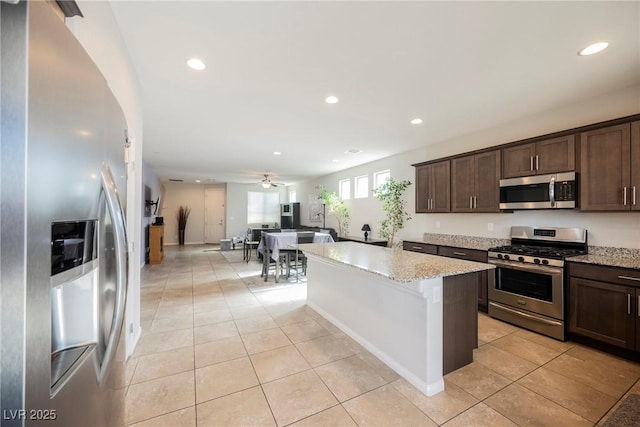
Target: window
(381,177)
(263,208)
(344,187)
(362,186)
(292,196)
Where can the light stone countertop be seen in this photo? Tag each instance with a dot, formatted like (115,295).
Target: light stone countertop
(611,257)
(601,255)
(466,242)
(395,264)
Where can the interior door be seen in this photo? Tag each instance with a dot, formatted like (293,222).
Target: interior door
(215,228)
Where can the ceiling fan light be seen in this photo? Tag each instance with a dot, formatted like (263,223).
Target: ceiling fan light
(266,183)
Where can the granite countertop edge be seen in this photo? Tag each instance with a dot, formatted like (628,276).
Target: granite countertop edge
(459,241)
(401,266)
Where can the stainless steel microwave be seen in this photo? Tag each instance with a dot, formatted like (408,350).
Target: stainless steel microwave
(556,191)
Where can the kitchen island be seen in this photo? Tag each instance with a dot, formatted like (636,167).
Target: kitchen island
(415,312)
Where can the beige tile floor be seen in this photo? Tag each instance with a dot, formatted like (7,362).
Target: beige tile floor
(213,353)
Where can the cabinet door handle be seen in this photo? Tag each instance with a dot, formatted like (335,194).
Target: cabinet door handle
(419,248)
(633,195)
(460,253)
(475,202)
(531,163)
(470,202)
(628,303)
(635,279)
(431,204)
(624,196)
(638,307)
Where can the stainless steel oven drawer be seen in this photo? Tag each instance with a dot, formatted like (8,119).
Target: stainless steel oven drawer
(532,321)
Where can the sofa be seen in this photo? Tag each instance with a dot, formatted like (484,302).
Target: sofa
(328,230)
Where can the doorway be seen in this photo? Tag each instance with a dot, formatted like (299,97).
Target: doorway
(214,212)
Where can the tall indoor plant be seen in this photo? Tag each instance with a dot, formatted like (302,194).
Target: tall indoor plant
(183,216)
(335,206)
(390,193)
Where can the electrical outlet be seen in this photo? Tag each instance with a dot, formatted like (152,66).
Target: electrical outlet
(490,226)
(437,224)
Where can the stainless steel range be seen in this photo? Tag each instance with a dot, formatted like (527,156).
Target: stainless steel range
(528,288)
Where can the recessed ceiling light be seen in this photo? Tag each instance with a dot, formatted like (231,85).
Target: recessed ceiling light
(197,180)
(196,64)
(331,99)
(416,121)
(594,48)
(276,153)
(335,160)
(352,151)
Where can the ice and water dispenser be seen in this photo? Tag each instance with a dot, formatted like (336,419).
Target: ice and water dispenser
(75,298)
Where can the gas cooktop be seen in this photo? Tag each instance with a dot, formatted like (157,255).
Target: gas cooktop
(539,251)
(545,245)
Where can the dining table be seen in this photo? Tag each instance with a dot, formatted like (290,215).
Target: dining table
(286,240)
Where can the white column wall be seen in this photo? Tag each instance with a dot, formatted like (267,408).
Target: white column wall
(100,36)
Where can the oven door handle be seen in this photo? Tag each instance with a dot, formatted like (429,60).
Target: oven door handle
(528,316)
(534,268)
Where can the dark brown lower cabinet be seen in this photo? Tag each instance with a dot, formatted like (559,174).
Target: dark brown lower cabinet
(482,278)
(460,253)
(604,305)
(459,321)
(599,311)
(424,248)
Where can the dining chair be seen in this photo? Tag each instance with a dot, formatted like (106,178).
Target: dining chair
(250,242)
(268,262)
(300,257)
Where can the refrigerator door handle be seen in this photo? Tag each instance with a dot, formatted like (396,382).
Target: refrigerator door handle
(120,239)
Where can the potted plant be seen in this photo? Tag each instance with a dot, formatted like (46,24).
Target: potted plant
(390,193)
(335,206)
(183,216)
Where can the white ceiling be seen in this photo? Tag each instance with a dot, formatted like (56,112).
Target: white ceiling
(460,66)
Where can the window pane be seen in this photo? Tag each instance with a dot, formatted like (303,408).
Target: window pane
(380,178)
(362,186)
(263,208)
(292,196)
(345,189)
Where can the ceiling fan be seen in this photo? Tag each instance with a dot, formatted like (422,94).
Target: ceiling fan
(266,182)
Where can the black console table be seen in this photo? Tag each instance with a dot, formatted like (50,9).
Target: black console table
(376,242)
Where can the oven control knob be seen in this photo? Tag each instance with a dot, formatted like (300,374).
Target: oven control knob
(521,258)
(536,261)
(506,257)
(545,262)
(499,256)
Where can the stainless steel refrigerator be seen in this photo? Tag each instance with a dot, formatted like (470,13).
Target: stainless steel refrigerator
(63,250)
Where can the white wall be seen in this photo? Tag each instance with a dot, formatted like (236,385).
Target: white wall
(99,35)
(605,229)
(237,195)
(192,195)
(183,194)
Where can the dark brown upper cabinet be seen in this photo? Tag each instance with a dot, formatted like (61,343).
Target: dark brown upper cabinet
(610,168)
(539,158)
(475,183)
(432,187)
